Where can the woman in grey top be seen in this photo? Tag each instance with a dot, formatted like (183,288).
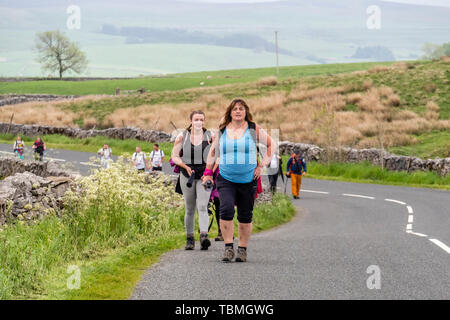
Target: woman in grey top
(189,153)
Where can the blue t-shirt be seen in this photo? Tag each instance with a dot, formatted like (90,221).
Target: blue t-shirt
(237,161)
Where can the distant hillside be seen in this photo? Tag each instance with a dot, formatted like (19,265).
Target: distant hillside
(153,35)
(402,107)
(170,36)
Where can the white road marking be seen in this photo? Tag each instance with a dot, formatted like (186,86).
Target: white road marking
(357,196)
(441,245)
(90,164)
(12,153)
(409,226)
(312,191)
(410,219)
(410,210)
(417,234)
(54,159)
(396,201)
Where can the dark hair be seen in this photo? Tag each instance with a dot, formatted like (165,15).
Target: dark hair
(227,117)
(192,115)
(156,145)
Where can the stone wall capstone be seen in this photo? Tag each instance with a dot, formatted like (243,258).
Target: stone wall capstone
(8,99)
(374,156)
(113,133)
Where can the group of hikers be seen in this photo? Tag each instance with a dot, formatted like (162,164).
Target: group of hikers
(139,159)
(218,171)
(38,147)
(221,171)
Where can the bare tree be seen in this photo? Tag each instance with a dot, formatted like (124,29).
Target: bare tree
(327,131)
(57,53)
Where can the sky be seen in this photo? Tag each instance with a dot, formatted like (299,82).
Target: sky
(442,3)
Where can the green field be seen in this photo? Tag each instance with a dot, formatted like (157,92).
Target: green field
(177,81)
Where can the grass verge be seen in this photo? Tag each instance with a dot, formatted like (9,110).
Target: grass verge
(111,232)
(368,173)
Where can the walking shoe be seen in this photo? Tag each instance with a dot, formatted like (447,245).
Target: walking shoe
(204,241)
(241,255)
(219,237)
(190,243)
(228,254)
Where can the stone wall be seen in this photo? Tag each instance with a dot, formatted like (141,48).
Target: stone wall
(311,152)
(8,99)
(11,166)
(374,156)
(32,189)
(114,133)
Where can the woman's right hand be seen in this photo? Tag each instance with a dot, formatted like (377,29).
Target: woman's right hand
(206,178)
(189,170)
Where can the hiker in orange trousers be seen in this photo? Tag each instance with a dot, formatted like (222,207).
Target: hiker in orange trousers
(296,168)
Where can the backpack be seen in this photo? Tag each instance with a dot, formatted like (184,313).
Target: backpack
(295,161)
(176,168)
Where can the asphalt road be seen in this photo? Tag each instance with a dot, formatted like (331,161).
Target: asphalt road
(343,236)
(331,250)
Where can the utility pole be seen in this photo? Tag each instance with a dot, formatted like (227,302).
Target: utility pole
(276,48)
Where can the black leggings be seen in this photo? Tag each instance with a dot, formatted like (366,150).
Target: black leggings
(241,194)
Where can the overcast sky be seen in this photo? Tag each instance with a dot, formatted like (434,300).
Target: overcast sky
(442,3)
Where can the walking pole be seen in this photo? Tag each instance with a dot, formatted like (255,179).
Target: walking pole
(285,184)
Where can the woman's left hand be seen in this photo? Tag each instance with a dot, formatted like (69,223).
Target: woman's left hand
(257,173)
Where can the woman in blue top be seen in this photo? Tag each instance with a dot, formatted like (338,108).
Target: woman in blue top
(238,173)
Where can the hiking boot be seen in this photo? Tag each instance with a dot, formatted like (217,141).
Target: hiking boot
(241,255)
(204,241)
(190,243)
(219,237)
(228,254)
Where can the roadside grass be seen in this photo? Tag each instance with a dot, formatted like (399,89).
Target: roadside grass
(124,147)
(430,145)
(110,242)
(365,172)
(115,276)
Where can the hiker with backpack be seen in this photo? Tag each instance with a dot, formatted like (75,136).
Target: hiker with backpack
(239,174)
(189,153)
(156,158)
(105,154)
(296,168)
(274,170)
(39,148)
(139,160)
(19,147)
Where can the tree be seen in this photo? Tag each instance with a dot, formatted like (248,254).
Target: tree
(57,53)
(446,48)
(432,51)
